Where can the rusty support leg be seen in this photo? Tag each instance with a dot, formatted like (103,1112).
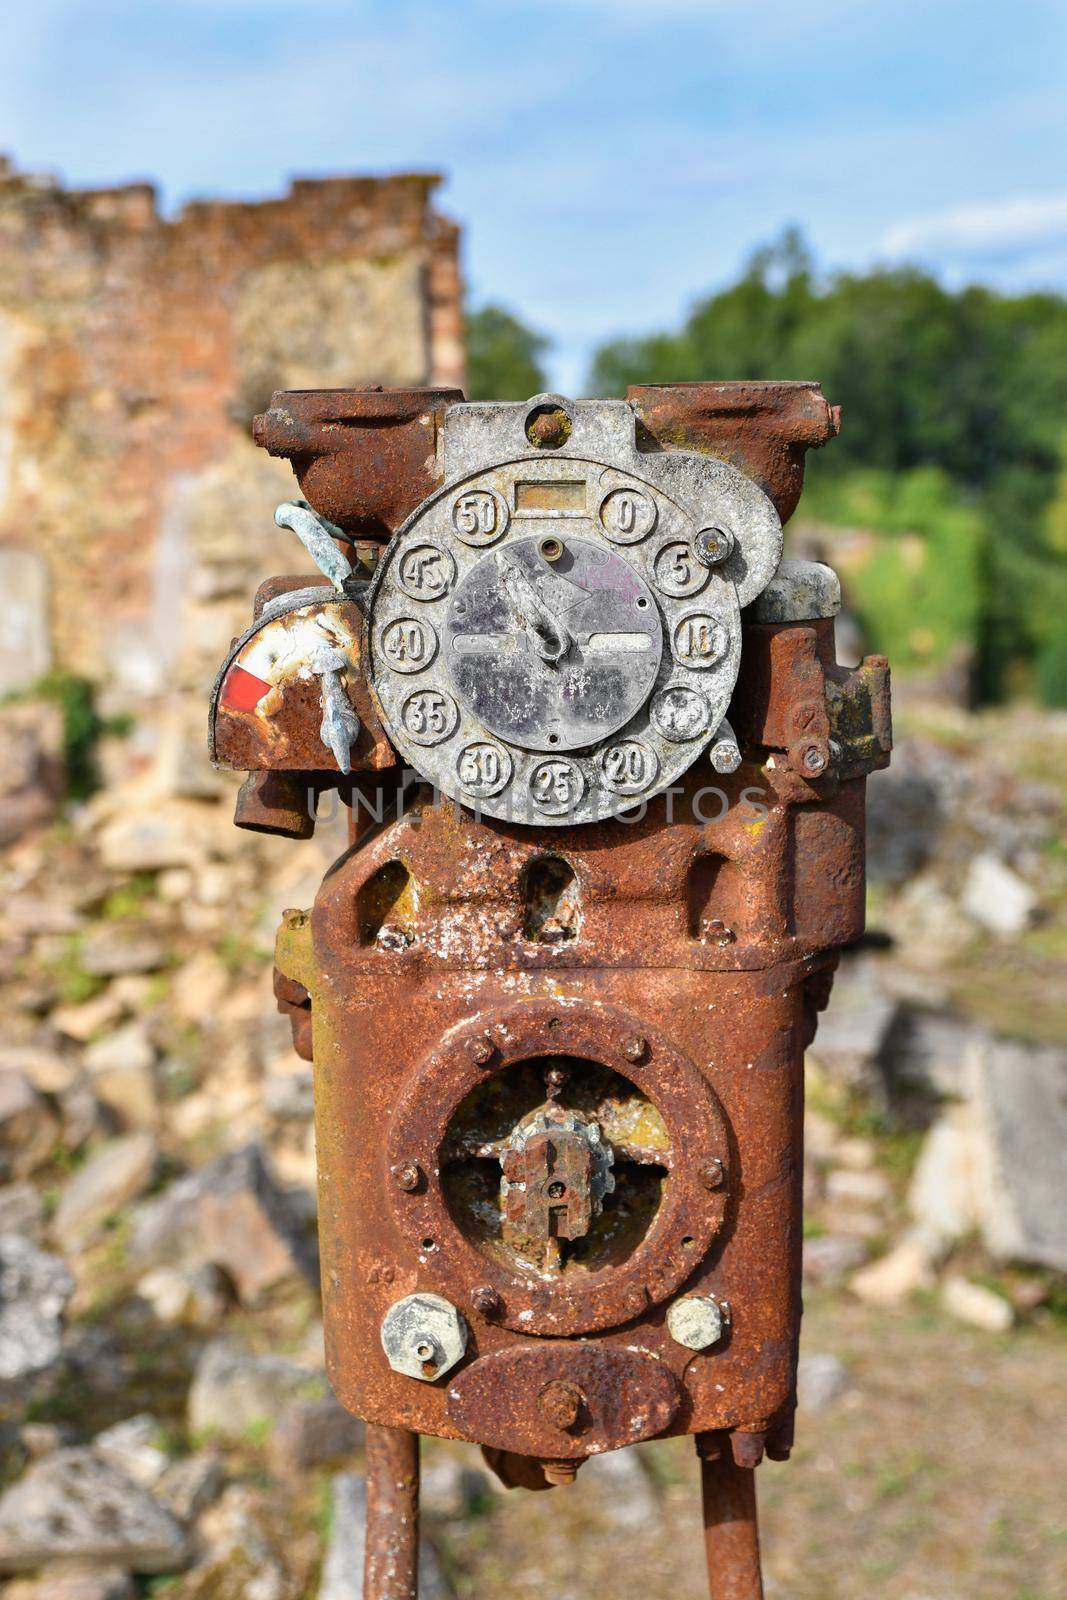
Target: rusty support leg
(731,1532)
(391,1559)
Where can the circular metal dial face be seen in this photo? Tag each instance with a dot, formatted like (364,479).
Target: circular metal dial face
(546,645)
(553,643)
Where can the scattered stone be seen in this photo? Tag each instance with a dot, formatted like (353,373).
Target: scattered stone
(34,1290)
(29,1127)
(123,1075)
(895,1276)
(927,925)
(1021,1100)
(289,1096)
(83,1022)
(240,1562)
(830,1258)
(855,1224)
(202,1295)
(36,915)
(131,1447)
(235,1394)
(74,1505)
(342,1570)
(118,1173)
(199,987)
(84,1118)
(821,1136)
(21,1210)
(449,1488)
(74,1583)
(148,833)
(41,1438)
(48,1070)
(114,948)
(128,1049)
(997,898)
(928,1050)
(944,1196)
(975,1304)
(854,1027)
(26,641)
(231,1213)
(821,1379)
(847,1188)
(314,1433)
(906,808)
(189,1485)
(627,1498)
(31,779)
(858,1155)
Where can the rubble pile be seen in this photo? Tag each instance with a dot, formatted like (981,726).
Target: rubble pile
(161,1365)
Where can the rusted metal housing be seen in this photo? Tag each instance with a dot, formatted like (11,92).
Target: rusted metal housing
(659,975)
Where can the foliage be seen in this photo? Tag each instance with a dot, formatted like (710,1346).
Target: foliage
(968,384)
(916,580)
(503,356)
(1052,671)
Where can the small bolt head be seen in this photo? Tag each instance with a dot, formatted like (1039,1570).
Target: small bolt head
(696,1321)
(480,1051)
(487,1300)
(423,1336)
(407,1175)
(725,756)
(713,545)
(711,1173)
(560,1404)
(814,759)
(635,1048)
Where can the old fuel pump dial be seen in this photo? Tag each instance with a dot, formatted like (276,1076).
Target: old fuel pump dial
(555,638)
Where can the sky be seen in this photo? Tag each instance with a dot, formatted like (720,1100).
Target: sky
(610,160)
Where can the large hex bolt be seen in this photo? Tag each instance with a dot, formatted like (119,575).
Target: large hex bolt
(423,1336)
(696,1321)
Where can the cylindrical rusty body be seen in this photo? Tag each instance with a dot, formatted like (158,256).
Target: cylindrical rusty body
(607,782)
(704,943)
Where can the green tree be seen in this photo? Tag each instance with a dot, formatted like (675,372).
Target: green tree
(503,356)
(967,383)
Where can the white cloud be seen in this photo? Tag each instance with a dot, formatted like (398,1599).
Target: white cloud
(997,228)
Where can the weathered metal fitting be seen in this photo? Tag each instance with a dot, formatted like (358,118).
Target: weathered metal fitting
(487,1301)
(712,1173)
(697,1321)
(560,1404)
(481,1051)
(275,802)
(725,753)
(423,1336)
(407,1175)
(713,545)
(635,1048)
(800,591)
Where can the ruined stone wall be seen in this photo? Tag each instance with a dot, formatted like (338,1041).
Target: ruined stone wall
(134,350)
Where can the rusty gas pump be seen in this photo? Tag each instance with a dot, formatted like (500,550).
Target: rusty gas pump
(606,783)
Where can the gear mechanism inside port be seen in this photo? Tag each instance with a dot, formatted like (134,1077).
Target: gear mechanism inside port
(555,1167)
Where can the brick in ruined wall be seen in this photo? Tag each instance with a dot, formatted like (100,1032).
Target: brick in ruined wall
(133,350)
